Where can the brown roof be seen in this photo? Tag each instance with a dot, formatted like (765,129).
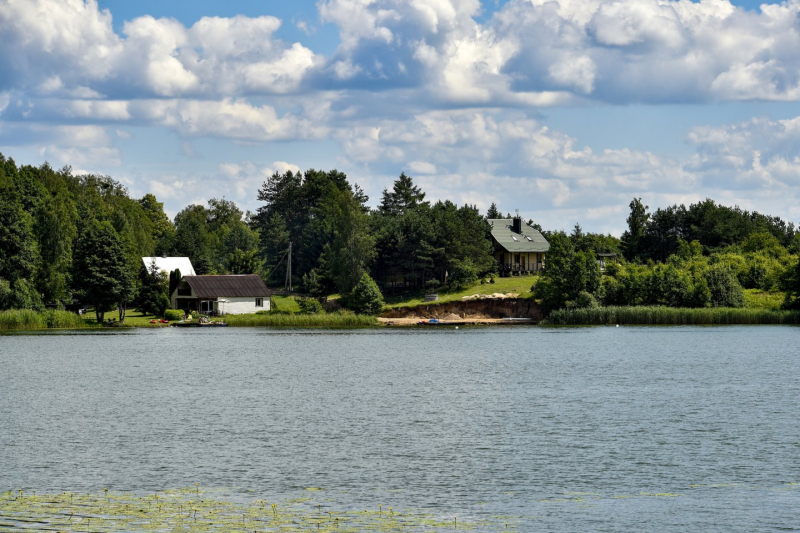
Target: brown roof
(239,285)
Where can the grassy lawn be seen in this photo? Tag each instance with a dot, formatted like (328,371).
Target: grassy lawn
(516,284)
(758,299)
(285,303)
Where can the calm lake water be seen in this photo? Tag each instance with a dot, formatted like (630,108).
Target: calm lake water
(588,429)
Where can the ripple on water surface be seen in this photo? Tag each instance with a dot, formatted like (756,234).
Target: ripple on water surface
(604,429)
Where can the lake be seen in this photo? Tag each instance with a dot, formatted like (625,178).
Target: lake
(573,429)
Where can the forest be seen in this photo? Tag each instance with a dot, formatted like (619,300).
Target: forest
(68,238)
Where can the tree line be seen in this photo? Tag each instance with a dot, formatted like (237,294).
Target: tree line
(704,255)
(67,238)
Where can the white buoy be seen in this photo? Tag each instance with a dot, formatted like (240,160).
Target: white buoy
(617,325)
(456,327)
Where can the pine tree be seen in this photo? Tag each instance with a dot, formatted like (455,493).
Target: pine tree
(404,196)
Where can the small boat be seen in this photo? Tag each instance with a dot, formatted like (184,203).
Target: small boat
(437,322)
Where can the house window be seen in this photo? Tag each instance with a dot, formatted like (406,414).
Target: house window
(259,302)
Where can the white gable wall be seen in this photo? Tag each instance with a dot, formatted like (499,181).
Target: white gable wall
(241,306)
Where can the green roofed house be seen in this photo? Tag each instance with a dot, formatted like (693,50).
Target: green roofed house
(518,248)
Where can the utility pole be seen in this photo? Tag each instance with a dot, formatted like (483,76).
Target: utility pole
(287,287)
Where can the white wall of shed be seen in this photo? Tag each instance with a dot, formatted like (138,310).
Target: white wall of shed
(241,306)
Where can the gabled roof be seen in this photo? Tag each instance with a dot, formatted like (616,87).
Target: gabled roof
(168,264)
(233,285)
(530,240)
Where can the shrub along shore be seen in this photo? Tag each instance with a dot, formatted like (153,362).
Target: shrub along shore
(26,319)
(300,320)
(673,316)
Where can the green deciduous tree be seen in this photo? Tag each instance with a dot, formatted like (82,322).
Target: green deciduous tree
(790,284)
(192,239)
(723,286)
(353,247)
(99,268)
(18,250)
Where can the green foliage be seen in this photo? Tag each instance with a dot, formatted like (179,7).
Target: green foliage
(366,298)
(299,320)
(27,319)
(99,267)
(192,238)
(173,315)
(790,284)
(153,296)
(18,249)
(633,239)
(610,316)
(314,284)
(758,299)
(243,262)
(310,306)
(403,196)
(464,275)
(724,287)
(582,301)
(689,250)
(353,247)
(568,274)
(493,212)
(163,230)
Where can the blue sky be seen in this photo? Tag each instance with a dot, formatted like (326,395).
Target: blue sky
(563,110)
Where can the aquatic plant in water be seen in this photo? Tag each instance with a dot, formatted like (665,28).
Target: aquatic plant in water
(194,510)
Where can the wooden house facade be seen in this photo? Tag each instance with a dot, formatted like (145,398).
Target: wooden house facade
(223,294)
(518,248)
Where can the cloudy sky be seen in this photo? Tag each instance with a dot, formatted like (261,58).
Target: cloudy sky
(564,109)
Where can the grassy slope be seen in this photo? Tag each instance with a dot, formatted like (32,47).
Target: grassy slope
(520,285)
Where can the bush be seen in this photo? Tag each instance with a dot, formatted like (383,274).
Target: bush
(464,274)
(173,315)
(724,287)
(310,306)
(584,300)
(366,298)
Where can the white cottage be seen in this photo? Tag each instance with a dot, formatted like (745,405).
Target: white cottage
(233,294)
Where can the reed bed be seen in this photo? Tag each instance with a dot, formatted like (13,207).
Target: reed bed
(290,320)
(26,319)
(672,316)
(195,510)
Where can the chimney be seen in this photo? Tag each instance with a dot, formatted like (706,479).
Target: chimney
(517,225)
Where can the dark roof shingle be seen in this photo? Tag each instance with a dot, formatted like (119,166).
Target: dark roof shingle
(231,285)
